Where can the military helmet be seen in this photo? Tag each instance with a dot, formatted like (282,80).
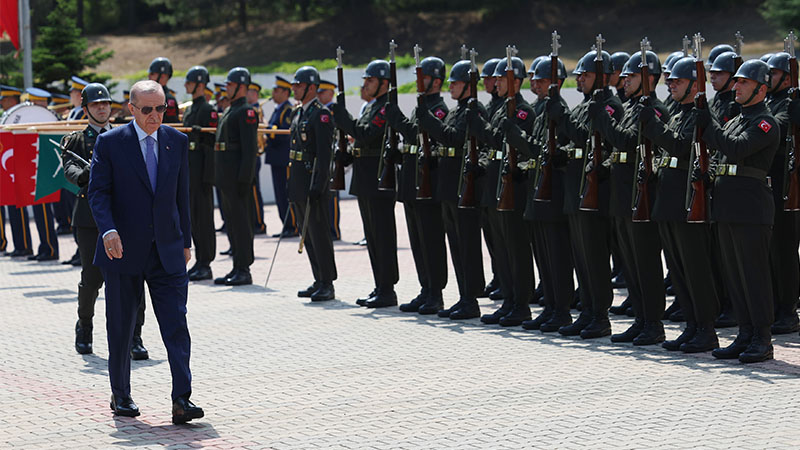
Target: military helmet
(433,67)
(718,50)
(587,63)
(671,59)
(378,69)
(543,69)
(306,74)
(779,61)
(754,69)
(94,92)
(618,60)
(197,74)
(460,71)
(724,62)
(535,63)
(488,67)
(516,64)
(632,66)
(685,67)
(239,75)
(766,56)
(161,65)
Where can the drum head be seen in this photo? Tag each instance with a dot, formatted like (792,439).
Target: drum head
(27,113)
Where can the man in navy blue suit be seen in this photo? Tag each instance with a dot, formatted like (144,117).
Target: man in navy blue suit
(139,196)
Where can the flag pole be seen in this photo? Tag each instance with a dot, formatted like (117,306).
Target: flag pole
(25,41)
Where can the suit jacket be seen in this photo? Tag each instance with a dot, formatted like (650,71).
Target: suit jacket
(121,198)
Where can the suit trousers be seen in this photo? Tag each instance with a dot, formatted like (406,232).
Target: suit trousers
(380,230)
(201,209)
(168,293)
(318,241)
(3,236)
(745,264)
(784,262)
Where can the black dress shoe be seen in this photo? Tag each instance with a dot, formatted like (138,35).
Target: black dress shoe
(386,297)
(704,340)
(494,318)
(260,230)
(677,316)
(33,257)
(574,329)
(239,278)
(760,348)
(183,410)
(496,294)
(433,304)
(598,327)
(652,333)
(202,273)
(620,309)
(193,269)
(21,252)
(670,309)
(75,261)
(83,338)
(468,309)
(488,289)
(445,313)
(726,319)
(42,258)
(221,280)
(285,234)
(536,323)
(629,334)
(226,252)
(538,294)
(518,314)
(416,302)
(736,347)
(324,293)
(786,324)
(306,293)
(138,352)
(363,301)
(687,334)
(558,320)
(618,281)
(124,406)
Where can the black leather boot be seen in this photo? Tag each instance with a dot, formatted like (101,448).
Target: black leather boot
(629,334)
(468,309)
(433,304)
(386,297)
(621,308)
(306,293)
(416,302)
(600,326)
(652,333)
(494,318)
(536,323)
(83,338)
(786,323)
(518,314)
(324,293)
(363,300)
(760,348)
(445,313)
(686,336)
(704,340)
(558,320)
(738,345)
(575,328)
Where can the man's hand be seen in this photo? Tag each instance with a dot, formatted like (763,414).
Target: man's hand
(187,255)
(393,113)
(702,117)
(113,245)
(555,110)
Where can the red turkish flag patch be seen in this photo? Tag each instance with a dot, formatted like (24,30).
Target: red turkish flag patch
(522,114)
(439,113)
(610,110)
(658,113)
(171,102)
(324,118)
(213,114)
(765,126)
(383,110)
(251,113)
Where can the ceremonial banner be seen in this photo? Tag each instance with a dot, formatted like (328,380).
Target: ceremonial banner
(50,170)
(26,156)
(8,195)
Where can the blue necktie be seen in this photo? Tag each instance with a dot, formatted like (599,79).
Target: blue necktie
(150,160)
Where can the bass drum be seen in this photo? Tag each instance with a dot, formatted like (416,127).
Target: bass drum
(27,113)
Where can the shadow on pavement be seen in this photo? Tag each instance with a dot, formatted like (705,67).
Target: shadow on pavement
(132,432)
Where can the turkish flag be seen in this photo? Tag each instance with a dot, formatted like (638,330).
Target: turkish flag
(26,158)
(8,195)
(9,20)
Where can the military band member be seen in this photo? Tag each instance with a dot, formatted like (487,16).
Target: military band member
(76,87)
(325,94)
(160,71)
(236,150)
(96,103)
(309,179)
(743,210)
(259,227)
(198,115)
(276,153)
(376,207)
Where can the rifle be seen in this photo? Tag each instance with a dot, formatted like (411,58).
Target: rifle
(685,43)
(641,212)
(424,189)
(337,181)
(505,201)
(388,175)
(698,208)
(792,194)
(467,199)
(544,192)
(737,47)
(590,200)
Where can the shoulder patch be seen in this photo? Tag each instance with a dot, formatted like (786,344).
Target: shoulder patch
(213,114)
(324,118)
(171,102)
(439,113)
(610,110)
(658,113)
(522,114)
(382,111)
(251,113)
(765,126)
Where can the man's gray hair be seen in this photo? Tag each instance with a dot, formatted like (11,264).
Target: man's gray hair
(145,87)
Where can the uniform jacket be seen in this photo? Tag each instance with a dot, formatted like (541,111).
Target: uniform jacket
(237,129)
(312,134)
(201,145)
(76,172)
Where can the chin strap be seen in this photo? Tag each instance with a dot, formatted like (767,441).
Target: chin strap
(688,89)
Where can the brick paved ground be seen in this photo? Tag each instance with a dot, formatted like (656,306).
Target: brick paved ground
(273,371)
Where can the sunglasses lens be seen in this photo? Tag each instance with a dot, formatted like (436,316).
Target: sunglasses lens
(160,109)
(147,110)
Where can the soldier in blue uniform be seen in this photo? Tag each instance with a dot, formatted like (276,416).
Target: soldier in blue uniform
(276,152)
(76,86)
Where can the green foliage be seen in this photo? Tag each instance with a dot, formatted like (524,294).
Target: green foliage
(783,13)
(11,69)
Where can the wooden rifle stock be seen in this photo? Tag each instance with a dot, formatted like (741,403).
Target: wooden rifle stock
(506,200)
(792,197)
(641,211)
(424,185)
(467,199)
(388,177)
(544,192)
(337,180)
(590,200)
(698,206)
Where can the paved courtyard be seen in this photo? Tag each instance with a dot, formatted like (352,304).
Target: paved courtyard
(275,371)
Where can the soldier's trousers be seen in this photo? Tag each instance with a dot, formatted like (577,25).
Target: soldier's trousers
(92,279)
(450,220)
(318,242)
(333,209)
(501,258)
(470,257)
(380,230)
(257,203)
(20,230)
(201,209)
(488,237)
(745,262)
(238,224)
(551,240)
(62,209)
(591,235)
(520,257)
(687,248)
(279,177)
(640,246)
(3,236)
(784,262)
(427,248)
(45,225)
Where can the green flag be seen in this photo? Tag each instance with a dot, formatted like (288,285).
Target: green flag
(50,170)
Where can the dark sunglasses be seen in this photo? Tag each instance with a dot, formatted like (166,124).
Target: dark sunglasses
(148,109)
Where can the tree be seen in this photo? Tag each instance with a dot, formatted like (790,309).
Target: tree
(783,13)
(59,50)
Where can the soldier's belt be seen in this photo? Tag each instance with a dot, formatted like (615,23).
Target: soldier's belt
(619,158)
(297,155)
(673,162)
(574,153)
(445,152)
(224,147)
(527,165)
(192,145)
(410,149)
(734,170)
(496,154)
(360,152)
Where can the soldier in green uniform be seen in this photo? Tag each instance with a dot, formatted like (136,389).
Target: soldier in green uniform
(235,152)
(376,207)
(309,178)
(160,71)
(198,115)
(743,210)
(77,151)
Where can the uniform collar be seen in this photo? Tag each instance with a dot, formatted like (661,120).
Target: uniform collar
(753,110)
